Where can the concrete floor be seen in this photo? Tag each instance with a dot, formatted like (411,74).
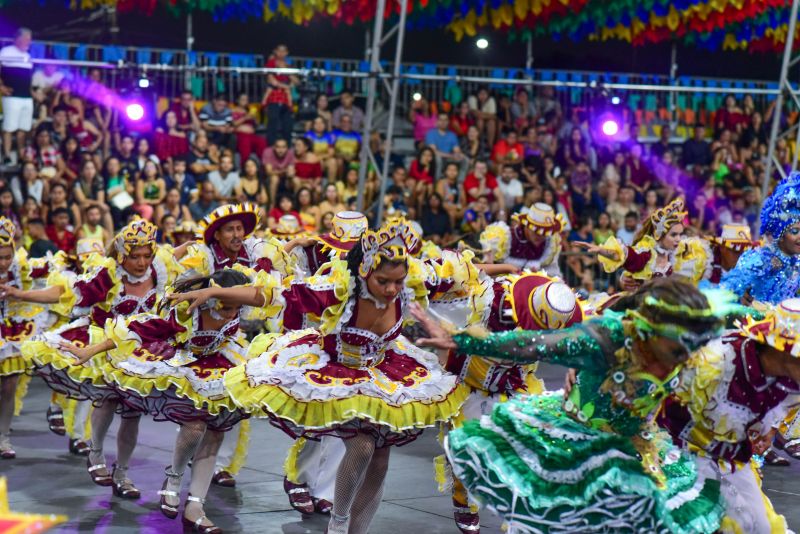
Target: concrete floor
(45,478)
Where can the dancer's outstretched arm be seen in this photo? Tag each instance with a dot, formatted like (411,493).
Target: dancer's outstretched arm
(49,295)
(84,354)
(242,296)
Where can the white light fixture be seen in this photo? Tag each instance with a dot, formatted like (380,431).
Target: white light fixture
(482,43)
(144,83)
(417,97)
(615,100)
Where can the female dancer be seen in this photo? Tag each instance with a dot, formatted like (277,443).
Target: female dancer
(171,366)
(129,280)
(354,376)
(20,321)
(594,464)
(653,251)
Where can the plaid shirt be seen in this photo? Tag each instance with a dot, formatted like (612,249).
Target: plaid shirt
(46,157)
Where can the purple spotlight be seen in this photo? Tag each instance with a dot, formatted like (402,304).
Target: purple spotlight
(610,127)
(135,112)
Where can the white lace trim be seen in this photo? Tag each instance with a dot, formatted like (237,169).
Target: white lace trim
(131,279)
(366,295)
(683,497)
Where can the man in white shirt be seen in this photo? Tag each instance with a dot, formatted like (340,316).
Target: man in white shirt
(47,77)
(510,186)
(16,70)
(225,179)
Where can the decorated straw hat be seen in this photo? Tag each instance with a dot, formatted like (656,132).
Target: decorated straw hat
(540,219)
(7,232)
(288,228)
(185,227)
(348,227)
(89,245)
(665,218)
(137,233)
(779,329)
(541,302)
(735,236)
(413,227)
(246,212)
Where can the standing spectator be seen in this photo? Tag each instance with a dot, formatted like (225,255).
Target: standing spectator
(697,151)
(206,203)
(201,159)
(244,123)
(444,143)
(16,71)
(92,226)
(481,183)
(349,109)
(452,196)
(523,111)
(278,97)
(278,163)
(150,191)
(323,147)
(186,113)
(225,179)
(473,147)
(347,143)
(462,120)
(216,119)
(423,120)
(509,185)
(170,142)
(508,150)
(435,220)
(182,181)
(58,232)
(484,109)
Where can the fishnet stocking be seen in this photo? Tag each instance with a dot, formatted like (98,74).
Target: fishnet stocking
(205,459)
(350,475)
(371,491)
(186,443)
(127,437)
(8,387)
(101,421)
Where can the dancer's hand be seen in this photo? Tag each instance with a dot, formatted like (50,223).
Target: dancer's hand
(82,354)
(569,381)
(9,292)
(591,248)
(439,338)
(195,298)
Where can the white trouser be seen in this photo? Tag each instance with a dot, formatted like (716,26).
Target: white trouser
(17,115)
(317,463)
(747,509)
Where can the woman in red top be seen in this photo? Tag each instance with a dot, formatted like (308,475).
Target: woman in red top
(170,142)
(278,97)
(423,172)
(244,122)
(284,206)
(88,136)
(307,167)
(461,120)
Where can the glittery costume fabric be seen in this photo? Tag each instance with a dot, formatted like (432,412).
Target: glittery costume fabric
(593,464)
(767,273)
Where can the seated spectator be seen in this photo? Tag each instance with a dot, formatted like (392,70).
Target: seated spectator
(508,150)
(620,205)
(324,111)
(308,211)
(58,232)
(473,147)
(629,228)
(284,205)
(477,216)
(92,227)
(89,190)
(637,174)
(663,144)
(166,228)
(484,110)
(307,167)
(697,151)
(347,143)
(58,198)
(523,112)
(395,201)
(509,185)
(444,142)
(603,229)
(326,224)
(216,118)
(461,121)
(730,116)
(9,210)
(89,137)
(182,181)
(144,154)
(119,192)
(173,207)
(378,147)
(575,149)
(451,194)
(170,142)
(546,103)
(40,246)
(349,186)
(59,125)
(245,123)
(278,163)
(30,210)
(252,185)
(584,196)
(347,108)
(185,113)
(44,153)
(331,201)
(323,147)
(206,203)
(47,77)
(435,220)
(422,119)
(667,175)
(481,183)
(150,191)
(225,179)
(128,160)
(32,183)
(560,202)
(613,172)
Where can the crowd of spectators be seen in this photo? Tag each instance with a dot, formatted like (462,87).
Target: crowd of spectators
(72,169)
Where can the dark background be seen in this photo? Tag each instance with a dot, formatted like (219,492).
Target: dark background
(322,39)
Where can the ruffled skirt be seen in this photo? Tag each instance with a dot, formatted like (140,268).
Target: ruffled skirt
(179,393)
(542,471)
(307,393)
(14,331)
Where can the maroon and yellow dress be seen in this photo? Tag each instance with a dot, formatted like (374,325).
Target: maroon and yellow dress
(339,379)
(99,295)
(172,366)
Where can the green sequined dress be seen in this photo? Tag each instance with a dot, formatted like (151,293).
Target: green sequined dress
(592,463)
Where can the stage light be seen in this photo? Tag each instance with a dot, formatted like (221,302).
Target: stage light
(610,127)
(615,100)
(417,97)
(134,111)
(482,43)
(144,83)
